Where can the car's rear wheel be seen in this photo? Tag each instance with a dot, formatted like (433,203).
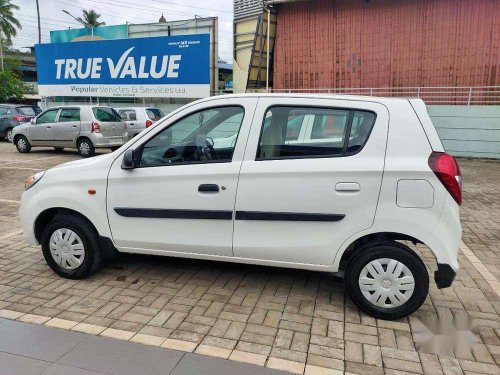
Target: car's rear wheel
(70,247)
(8,135)
(387,280)
(85,148)
(22,144)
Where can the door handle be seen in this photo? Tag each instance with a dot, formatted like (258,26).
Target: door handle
(347,187)
(74,126)
(208,188)
(49,127)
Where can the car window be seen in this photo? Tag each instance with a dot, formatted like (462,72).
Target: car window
(362,124)
(106,114)
(202,137)
(3,110)
(127,114)
(69,114)
(47,117)
(290,132)
(26,111)
(154,114)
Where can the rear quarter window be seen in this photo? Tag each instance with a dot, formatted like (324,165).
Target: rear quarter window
(26,111)
(154,114)
(106,114)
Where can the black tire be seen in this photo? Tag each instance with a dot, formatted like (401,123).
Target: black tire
(92,260)
(400,253)
(85,148)
(22,144)
(58,149)
(8,135)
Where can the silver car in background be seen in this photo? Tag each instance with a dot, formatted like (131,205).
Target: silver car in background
(84,127)
(139,118)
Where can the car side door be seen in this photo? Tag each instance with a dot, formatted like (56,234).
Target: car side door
(67,127)
(42,132)
(299,199)
(180,196)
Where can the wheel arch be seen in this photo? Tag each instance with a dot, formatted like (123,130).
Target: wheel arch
(374,238)
(47,215)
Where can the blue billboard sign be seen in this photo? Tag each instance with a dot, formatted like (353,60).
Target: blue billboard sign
(173,66)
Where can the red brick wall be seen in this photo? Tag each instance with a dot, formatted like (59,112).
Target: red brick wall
(387,43)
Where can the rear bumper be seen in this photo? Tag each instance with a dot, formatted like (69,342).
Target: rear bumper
(444,275)
(99,140)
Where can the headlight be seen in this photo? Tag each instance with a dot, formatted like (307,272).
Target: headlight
(32,180)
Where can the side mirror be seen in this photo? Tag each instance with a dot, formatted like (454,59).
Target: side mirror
(33,121)
(128,161)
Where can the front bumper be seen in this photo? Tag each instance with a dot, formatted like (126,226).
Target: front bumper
(444,275)
(28,212)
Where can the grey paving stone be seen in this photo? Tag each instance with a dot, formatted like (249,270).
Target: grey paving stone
(192,364)
(121,357)
(35,341)
(11,364)
(57,369)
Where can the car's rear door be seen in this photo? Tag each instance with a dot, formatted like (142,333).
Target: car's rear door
(300,197)
(67,126)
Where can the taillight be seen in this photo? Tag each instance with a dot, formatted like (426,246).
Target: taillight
(446,168)
(96,128)
(149,123)
(20,118)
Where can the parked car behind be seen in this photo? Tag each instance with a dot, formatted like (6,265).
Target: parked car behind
(319,182)
(12,115)
(139,118)
(84,127)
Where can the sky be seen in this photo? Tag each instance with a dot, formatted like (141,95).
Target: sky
(115,12)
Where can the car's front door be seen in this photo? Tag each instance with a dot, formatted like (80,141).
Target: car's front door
(43,131)
(180,197)
(302,194)
(67,127)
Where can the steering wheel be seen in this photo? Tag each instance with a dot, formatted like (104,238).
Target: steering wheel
(172,156)
(209,150)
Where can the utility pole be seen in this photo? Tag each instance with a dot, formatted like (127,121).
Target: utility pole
(39,27)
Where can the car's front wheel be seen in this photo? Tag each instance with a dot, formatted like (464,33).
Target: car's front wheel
(85,148)
(387,280)
(70,247)
(22,144)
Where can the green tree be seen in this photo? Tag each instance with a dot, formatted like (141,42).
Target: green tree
(11,86)
(8,23)
(90,19)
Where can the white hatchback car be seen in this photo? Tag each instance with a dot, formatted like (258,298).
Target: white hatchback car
(317,182)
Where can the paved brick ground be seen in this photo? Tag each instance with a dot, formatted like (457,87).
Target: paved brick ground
(293,320)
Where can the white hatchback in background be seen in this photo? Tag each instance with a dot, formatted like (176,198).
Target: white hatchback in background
(318,182)
(139,118)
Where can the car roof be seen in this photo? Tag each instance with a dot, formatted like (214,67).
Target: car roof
(131,108)
(376,99)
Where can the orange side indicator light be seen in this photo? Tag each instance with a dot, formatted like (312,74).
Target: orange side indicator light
(91,191)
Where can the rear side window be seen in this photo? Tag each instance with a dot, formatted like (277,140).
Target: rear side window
(69,114)
(106,114)
(3,111)
(127,114)
(26,111)
(291,132)
(154,114)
